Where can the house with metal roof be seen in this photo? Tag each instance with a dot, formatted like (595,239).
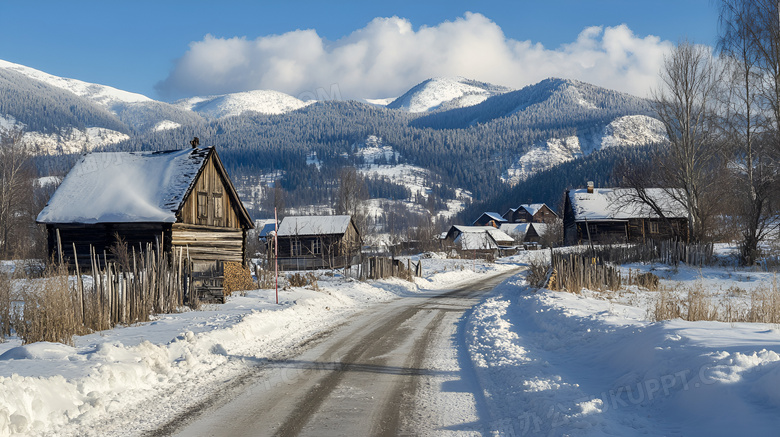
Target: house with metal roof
(318,242)
(481,239)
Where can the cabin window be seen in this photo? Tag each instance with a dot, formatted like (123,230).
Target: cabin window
(316,247)
(295,248)
(218,209)
(594,229)
(653,227)
(203,205)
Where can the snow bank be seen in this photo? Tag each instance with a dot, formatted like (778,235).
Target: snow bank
(564,364)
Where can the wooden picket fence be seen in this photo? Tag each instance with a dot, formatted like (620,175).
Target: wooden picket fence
(573,272)
(595,269)
(380,267)
(153,284)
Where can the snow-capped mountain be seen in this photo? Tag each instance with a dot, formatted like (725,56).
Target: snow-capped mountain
(102,94)
(442,93)
(454,133)
(553,101)
(68,112)
(228,105)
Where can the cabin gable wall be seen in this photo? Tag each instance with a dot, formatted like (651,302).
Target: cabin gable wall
(208,203)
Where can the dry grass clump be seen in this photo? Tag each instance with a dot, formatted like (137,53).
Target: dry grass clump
(237,278)
(648,281)
(49,310)
(266,278)
(537,272)
(694,305)
(764,305)
(697,304)
(305,280)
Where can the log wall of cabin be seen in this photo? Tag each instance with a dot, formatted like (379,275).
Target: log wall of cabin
(102,236)
(211,188)
(206,243)
(544,215)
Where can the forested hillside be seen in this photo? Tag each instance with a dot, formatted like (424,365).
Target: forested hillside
(451,155)
(549,185)
(45,108)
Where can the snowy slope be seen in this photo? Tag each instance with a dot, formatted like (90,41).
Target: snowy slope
(66,140)
(52,106)
(630,130)
(445,93)
(228,105)
(102,94)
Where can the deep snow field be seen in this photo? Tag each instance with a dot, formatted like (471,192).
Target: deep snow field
(594,364)
(551,363)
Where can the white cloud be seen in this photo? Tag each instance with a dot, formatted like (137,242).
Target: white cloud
(387,57)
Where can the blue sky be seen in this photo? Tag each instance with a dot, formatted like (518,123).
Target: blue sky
(147,46)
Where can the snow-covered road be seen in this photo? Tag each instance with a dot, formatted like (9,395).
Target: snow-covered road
(362,377)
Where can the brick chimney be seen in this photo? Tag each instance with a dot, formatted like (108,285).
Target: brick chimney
(195,143)
(590,187)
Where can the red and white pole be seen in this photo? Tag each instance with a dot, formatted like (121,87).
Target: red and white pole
(276,253)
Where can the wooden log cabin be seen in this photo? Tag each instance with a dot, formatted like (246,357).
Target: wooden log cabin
(318,242)
(530,213)
(179,199)
(615,215)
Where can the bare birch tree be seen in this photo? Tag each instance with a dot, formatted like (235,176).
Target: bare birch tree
(351,197)
(689,165)
(16,192)
(750,115)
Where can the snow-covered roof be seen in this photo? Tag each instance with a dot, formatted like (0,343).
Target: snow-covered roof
(475,241)
(125,187)
(496,235)
(492,216)
(532,208)
(621,204)
(541,228)
(266,227)
(314,225)
(518,229)
(500,236)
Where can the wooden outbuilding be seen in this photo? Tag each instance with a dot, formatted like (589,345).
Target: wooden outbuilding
(318,242)
(615,215)
(177,199)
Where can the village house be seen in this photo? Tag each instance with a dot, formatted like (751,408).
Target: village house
(530,213)
(615,215)
(493,219)
(317,242)
(181,200)
(478,239)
